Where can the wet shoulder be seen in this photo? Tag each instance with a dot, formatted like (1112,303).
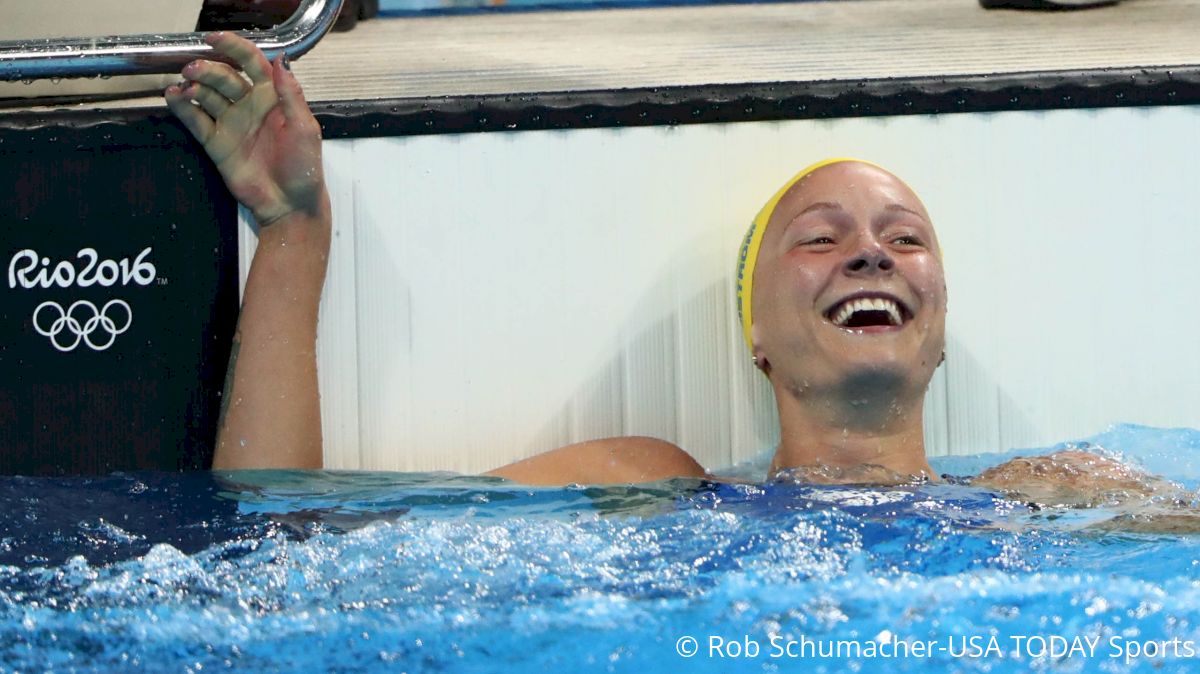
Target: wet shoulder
(621,460)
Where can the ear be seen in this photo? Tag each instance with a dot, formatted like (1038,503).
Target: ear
(757,353)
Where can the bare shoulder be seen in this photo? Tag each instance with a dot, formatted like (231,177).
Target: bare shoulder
(623,460)
(1072,478)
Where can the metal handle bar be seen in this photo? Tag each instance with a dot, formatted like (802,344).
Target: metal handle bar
(144,54)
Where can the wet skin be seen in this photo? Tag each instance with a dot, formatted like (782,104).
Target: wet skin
(849,230)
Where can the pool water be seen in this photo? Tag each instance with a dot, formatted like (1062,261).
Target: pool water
(352,572)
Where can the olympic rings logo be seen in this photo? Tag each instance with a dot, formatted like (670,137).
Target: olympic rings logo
(80,321)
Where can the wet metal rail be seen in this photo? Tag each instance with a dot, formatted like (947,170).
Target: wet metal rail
(150,54)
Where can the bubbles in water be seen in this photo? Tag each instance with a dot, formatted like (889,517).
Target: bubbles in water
(360,572)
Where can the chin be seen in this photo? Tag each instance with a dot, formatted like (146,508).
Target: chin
(868,379)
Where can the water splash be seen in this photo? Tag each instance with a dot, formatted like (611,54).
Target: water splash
(295,571)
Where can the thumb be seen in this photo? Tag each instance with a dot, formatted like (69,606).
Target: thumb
(291,97)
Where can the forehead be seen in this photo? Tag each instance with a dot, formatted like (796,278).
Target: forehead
(850,185)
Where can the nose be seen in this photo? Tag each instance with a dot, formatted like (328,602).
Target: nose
(870,261)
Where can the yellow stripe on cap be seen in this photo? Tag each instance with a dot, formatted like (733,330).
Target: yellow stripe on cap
(748,254)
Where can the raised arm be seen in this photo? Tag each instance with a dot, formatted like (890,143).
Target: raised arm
(267,146)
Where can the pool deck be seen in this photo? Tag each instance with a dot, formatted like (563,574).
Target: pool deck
(588,50)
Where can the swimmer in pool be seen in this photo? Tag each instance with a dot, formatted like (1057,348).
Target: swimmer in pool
(842,298)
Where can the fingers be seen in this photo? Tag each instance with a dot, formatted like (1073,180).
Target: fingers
(244,53)
(197,122)
(291,97)
(213,103)
(219,76)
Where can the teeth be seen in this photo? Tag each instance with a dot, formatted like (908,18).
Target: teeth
(843,314)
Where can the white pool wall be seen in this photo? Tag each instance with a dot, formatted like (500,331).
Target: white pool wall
(495,295)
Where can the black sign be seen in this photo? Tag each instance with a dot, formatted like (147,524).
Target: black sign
(119,297)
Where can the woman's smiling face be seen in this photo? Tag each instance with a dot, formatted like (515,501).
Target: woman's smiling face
(849,285)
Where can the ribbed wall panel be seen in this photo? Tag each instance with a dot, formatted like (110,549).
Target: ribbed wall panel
(383,182)
(337,347)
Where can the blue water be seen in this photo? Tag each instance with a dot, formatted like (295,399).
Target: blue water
(383,572)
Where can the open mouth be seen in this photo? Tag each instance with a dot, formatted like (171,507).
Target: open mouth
(874,311)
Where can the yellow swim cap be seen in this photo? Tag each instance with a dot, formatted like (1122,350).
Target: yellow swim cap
(748,254)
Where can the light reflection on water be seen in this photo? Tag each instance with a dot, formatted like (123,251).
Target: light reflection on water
(293,571)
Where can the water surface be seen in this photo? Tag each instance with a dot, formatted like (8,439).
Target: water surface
(348,572)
